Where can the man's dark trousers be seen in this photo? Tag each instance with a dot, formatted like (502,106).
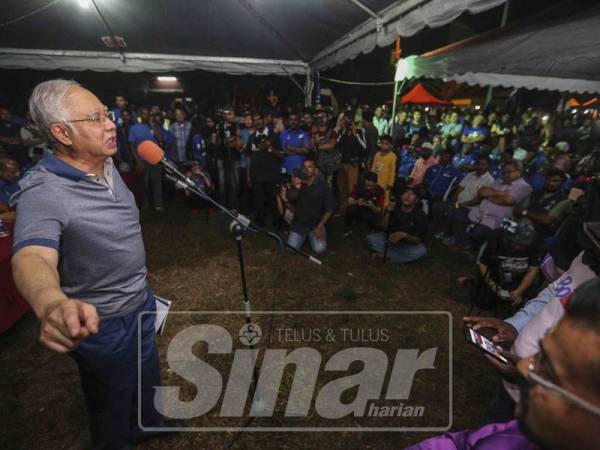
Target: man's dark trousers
(264,199)
(108,366)
(467,232)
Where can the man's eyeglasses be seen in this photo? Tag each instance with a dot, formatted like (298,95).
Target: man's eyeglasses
(97,118)
(535,378)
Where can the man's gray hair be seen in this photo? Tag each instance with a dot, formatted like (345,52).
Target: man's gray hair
(46,104)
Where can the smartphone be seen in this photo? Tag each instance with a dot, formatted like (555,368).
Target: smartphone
(484,344)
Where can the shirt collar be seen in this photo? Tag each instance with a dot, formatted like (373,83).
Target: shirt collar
(63,169)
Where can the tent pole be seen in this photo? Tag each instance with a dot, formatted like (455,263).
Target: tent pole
(307,89)
(395,99)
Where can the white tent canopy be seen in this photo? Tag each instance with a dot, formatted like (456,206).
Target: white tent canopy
(280,37)
(560,56)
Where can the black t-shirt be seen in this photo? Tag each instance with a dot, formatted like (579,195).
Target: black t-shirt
(265,166)
(226,131)
(507,268)
(266,131)
(350,147)
(313,202)
(413,222)
(543,203)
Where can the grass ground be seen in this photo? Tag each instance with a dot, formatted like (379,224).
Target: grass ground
(194,263)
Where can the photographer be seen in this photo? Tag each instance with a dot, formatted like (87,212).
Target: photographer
(314,208)
(365,203)
(288,196)
(228,159)
(352,146)
(263,174)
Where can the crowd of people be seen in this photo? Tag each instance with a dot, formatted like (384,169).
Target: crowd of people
(518,191)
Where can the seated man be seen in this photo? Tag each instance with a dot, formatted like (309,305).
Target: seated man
(543,207)
(9,174)
(560,393)
(439,181)
(422,164)
(407,231)
(509,266)
(313,209)
(494,203)
(365,203)
(528,325)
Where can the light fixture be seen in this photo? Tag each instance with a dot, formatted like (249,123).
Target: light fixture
(166,78)
(545,118)
(84,4)
(573,111)
(477,107)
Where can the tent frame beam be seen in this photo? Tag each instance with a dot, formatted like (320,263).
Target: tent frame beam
(288,66)
(110,32)
(365,8)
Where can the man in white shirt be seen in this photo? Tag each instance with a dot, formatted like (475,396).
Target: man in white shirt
(470,184)
(466,193)
(380,122)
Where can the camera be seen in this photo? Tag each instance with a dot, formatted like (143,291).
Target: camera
(510,226)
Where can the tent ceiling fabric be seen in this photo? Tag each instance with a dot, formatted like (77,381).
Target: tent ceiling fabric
(561,56)
(294,32)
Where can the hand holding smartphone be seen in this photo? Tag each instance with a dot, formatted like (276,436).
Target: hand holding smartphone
(484,344)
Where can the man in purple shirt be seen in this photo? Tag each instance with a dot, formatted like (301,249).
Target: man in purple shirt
(492,204)
(560,393)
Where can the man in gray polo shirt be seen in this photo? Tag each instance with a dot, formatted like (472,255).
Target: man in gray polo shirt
(80,262)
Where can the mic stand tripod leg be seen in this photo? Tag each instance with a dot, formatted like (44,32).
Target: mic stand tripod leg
(257,406)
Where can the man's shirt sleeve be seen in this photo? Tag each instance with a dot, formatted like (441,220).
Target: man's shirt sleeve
(41,218)
(531,309)
(330,203)
(521,192)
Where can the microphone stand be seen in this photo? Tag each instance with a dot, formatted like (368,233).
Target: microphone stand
(238,226)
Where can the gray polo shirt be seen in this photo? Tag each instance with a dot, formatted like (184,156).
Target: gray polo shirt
(94,225)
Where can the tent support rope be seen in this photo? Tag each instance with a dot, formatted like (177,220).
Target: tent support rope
(359,83)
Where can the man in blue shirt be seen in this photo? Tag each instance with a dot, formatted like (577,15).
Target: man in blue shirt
(439,180)
(477,133)
(143,131)
(180,129)
(295,143)
(120,107)
(465,160)
(9,174)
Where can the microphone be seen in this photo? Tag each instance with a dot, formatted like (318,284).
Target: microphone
(153,155)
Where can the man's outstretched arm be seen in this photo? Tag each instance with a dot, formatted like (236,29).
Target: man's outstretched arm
(64,321)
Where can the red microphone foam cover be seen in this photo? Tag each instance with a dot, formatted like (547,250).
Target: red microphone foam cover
(150,152)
